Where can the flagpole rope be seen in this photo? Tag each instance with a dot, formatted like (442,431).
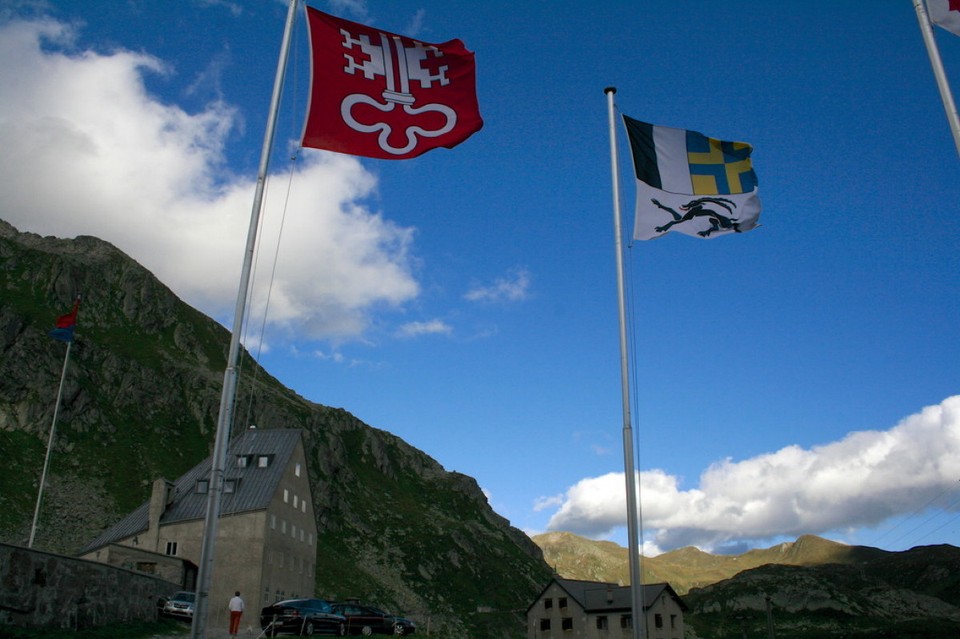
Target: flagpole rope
(954,486)
(632,348)
(295,156)
(634,380)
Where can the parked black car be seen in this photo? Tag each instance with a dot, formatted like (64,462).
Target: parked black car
(302,617)
(367,620)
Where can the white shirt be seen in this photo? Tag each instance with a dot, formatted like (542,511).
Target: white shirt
(236,604)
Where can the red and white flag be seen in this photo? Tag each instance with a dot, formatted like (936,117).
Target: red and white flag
(383,95)
(945,13)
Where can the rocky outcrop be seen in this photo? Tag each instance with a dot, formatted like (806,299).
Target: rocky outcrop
(140,401)
(812,587)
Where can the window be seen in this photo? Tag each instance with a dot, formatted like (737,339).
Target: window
(283,526)
(172,548)
(658,620)
(243,460)
(296,470)
(303,505)
(673,622)
(602,622)
(229,486)
(301,535)
(296,501)
(286,496)
(548,603)
(263,461)
(293,531)
(203,485)
(273,522)
(544,624)
(563,602)
(626,621)
(566,623)
(310,539)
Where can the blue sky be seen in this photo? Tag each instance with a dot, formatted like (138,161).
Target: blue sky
(799,378)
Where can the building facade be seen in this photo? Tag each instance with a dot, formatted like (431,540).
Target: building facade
(266,537)
(575,609)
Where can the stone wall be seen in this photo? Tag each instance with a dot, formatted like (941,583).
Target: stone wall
(44,589)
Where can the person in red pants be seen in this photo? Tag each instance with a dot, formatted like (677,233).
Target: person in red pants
(236,611)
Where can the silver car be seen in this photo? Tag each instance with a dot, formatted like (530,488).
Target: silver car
(180,605)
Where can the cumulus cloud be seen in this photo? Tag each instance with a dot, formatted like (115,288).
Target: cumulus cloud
(88,150)
(860,480)
(511,288)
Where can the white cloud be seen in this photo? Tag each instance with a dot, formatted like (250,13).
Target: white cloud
(413,29)
(356,8)
(543,503)
(861,480)
(87,150)
(432,327)
(234,8)
(514,287)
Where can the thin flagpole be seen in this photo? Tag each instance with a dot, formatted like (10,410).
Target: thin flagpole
(228,397)
(53,434)
(937,63)
(633,545)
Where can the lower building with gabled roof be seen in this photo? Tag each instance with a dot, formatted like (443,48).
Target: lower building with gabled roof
(267,533)
(577,609)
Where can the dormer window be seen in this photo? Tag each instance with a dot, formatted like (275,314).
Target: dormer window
(244,460)
(264,460)
(229,486)
(203,485)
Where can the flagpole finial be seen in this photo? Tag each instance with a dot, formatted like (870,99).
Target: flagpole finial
(610,90)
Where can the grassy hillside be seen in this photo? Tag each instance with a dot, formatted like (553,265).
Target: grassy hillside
(141,400)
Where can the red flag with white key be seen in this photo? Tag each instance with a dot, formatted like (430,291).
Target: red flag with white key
(382,95)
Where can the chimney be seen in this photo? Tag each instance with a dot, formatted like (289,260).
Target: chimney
(161,497)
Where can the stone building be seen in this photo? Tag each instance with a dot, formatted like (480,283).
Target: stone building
(267,533)
(575,609)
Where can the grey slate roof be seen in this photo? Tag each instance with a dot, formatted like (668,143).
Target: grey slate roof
(255,486)
(598,596)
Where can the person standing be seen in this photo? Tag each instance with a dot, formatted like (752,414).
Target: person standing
(236,611)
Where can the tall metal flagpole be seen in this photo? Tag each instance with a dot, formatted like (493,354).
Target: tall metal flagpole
(633,545)
(53,434)
(934,52)
(227,398)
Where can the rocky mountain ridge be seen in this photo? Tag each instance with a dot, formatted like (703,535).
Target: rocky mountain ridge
(812,587)
(141,399)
